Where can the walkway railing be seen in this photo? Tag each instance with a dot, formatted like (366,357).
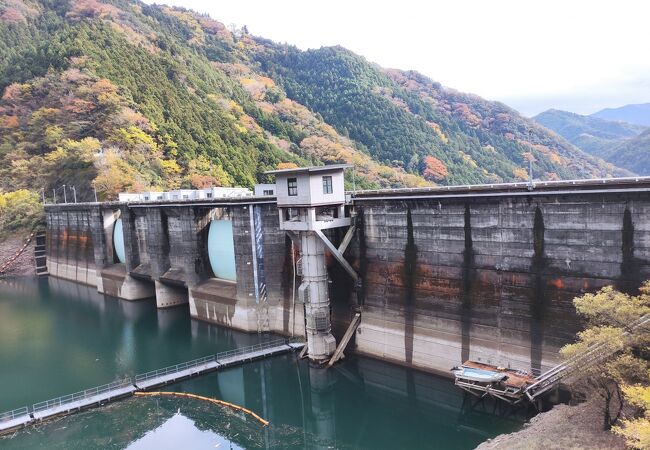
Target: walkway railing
(590,357)
(14,413)
(174,369)
(131,382)
(207,359)
(88,393)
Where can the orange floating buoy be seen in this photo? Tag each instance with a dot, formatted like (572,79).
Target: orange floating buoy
(206,399)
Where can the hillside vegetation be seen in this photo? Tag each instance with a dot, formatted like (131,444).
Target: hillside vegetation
(622,144)
(633,153)
(129,96)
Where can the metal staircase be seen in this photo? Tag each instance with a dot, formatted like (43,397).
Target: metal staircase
(592,356)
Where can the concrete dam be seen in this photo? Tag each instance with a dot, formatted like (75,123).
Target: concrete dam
(486,272)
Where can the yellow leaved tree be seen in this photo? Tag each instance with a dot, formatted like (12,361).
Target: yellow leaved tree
(609,315)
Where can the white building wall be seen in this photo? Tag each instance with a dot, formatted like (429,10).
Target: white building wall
(185,194)
(310,189)
(129,197)
(260,188)
(221,192)
(316,188)
(282,191)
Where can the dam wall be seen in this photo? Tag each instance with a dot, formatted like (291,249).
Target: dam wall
(485,274)
(491,278)
(70,243)
(166,259)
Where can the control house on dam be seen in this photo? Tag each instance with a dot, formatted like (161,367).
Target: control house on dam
(429,277)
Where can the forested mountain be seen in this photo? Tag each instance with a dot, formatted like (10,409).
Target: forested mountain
(633,153)
(570,125)
(133,96)
(620,143)
(406,119)
(636,114)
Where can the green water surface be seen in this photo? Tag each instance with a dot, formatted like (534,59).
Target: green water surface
(58,337)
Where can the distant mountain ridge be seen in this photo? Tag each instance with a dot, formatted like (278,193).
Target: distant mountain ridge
(130,96)
(638,114)
(571,125)
(633,153)
(623,144)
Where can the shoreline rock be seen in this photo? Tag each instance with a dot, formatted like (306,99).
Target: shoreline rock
(25,265)
(563,427)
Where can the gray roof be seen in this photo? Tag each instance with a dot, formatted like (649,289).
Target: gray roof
(330,168)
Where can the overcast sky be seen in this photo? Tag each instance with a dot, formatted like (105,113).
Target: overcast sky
(577,55)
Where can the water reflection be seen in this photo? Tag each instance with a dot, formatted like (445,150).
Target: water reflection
(173,434)
(57,337)
(362,403)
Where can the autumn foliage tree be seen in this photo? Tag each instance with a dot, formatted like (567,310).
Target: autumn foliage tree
(434,169)
(287,166)
(608,314)
(636,429)
(21,209)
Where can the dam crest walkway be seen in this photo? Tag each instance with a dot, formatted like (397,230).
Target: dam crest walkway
(100,395)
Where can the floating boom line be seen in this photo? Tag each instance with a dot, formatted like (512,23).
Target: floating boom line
(205,399)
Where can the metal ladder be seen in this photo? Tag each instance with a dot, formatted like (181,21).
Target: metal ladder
(40,255)
(593,355)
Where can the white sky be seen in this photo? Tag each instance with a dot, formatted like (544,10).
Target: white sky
(578,55)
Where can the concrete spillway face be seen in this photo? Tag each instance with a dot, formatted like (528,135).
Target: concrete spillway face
(118,241)
(221,250)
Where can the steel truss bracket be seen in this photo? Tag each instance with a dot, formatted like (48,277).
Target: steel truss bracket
(338,255)
(347,239)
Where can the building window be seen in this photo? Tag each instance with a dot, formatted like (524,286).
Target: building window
(209,194)
(292,185)
(327,185)
(268,191)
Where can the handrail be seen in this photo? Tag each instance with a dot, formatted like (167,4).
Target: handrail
(207,359)
(592,355)
(10,415)
(515,185)
(132,381)
(70,398)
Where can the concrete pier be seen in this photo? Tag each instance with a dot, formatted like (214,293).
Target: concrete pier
(315,290)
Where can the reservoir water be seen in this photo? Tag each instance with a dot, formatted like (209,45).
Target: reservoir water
(58,337)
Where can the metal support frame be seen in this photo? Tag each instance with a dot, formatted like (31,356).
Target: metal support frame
(338,255)
(347,239)
(356,320)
